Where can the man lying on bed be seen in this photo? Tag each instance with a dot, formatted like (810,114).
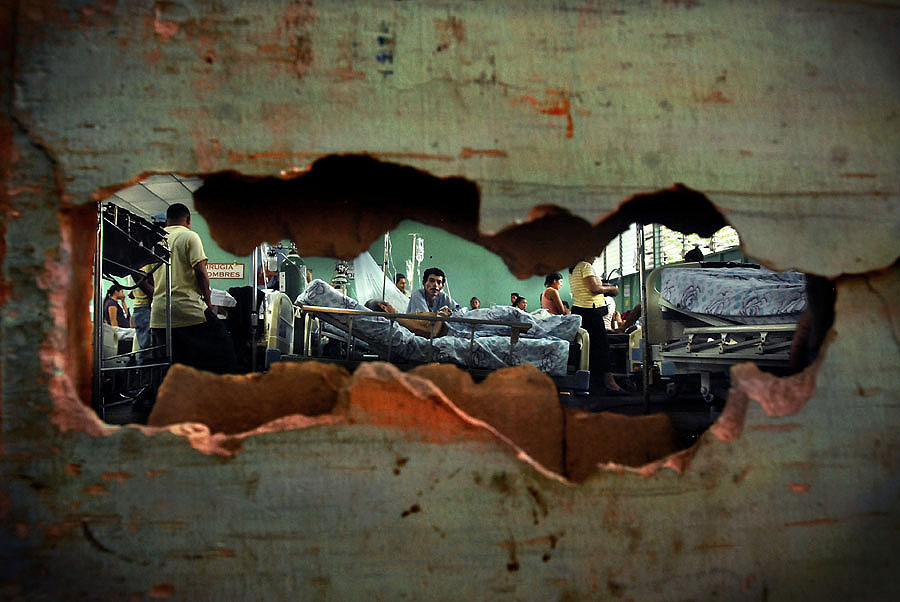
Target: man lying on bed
(545,344)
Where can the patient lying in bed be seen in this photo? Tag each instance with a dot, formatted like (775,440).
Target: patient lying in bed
(545,344)
(423,328)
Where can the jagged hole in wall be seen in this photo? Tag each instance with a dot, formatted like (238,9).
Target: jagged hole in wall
(698,315)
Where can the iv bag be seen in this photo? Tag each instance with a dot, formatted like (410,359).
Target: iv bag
(420,249)
(272,261)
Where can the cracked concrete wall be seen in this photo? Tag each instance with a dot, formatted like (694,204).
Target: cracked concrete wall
(783,115)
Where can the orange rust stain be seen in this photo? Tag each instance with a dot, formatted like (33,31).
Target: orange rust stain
(383,396)
(270,49)
(204,85)
(859,175)
(72,469)
(165,29)
(748,581)
(717,97)
(60,529)
(468,153)
(153,473)
(17,190)
(799,487)
(348,74)
(454,26)
(119,477)
(161,590)
(235,156)
(96,489)
(298,14)
(776,427)
(745,153)
(558,104)
(862,392)
(62,346)
(412,156)
(76,248)
(811,523)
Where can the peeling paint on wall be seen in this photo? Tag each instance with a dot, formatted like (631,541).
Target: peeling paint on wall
(321,508)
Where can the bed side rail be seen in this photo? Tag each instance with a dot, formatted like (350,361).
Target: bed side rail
(516,328)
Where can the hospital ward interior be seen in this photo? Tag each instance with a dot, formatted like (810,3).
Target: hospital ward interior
(694,306)
(501,300)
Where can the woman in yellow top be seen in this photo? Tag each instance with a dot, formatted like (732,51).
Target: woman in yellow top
(589,303)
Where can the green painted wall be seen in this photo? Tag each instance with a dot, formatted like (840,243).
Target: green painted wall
(321,267)
(215,254)
(471,270)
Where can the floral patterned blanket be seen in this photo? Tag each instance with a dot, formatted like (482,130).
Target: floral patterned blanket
(545,345)
(745,295)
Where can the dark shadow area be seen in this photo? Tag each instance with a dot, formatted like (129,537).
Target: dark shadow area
(373,197)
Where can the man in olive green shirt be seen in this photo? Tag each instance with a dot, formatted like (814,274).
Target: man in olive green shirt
(198,337)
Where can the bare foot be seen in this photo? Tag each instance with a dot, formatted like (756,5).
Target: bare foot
(611,384)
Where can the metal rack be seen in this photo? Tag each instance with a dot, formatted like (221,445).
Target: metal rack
(136,243)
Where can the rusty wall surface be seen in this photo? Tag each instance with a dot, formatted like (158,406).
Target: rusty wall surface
(784,114)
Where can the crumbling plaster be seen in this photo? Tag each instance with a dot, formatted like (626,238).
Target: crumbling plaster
(784,115)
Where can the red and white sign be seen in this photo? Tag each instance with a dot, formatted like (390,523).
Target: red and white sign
(225,271)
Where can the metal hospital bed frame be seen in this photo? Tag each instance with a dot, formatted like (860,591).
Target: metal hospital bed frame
(685,343)
(313,318)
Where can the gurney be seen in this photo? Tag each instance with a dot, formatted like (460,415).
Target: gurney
(702,318)
(480,340)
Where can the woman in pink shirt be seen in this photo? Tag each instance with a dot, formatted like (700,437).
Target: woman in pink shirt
(550,299)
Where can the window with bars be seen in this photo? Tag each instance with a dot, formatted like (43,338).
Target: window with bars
(662,246)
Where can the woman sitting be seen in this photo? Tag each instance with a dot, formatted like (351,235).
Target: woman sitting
(550,299)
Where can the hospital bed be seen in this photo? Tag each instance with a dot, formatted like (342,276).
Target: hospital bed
(702,318)
(480,340)
(279,318)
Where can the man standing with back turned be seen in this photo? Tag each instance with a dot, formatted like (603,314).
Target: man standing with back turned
(198,338)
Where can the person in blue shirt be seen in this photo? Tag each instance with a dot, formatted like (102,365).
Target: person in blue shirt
(431,297)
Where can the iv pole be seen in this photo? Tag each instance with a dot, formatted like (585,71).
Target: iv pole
(384,266)
(645,347)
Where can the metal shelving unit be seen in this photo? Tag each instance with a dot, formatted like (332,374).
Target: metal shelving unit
(125,243)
